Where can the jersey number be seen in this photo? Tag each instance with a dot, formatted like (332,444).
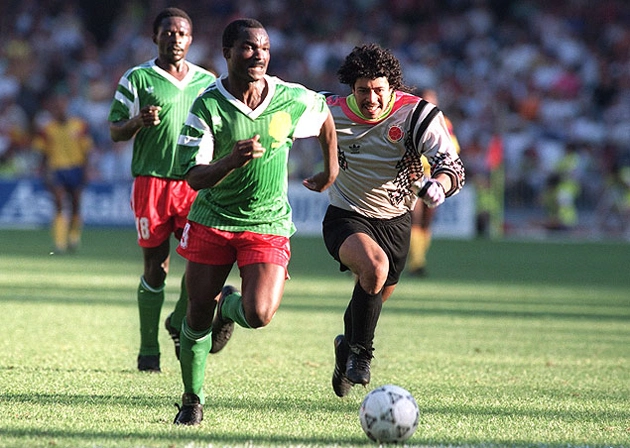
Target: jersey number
(142,226)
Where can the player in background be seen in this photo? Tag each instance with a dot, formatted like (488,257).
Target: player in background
(422,215)
(235,147)
(65,143)
(382,132)
(150,106)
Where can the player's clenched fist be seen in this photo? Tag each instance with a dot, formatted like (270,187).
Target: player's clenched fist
(246,150)
(150,116)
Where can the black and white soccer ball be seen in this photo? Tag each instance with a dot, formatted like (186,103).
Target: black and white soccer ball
(389,414)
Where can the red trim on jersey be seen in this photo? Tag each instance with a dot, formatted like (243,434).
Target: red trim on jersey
(401,99)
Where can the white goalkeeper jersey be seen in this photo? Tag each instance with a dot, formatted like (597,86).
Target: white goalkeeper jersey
(379,159)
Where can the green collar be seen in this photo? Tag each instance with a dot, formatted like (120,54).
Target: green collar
(354,107)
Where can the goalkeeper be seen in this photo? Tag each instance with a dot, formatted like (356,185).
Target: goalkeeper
(382,132)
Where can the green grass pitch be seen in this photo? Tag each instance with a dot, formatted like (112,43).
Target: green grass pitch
(521,344)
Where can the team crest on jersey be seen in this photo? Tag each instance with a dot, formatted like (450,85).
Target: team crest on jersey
(279,127)
(395,133)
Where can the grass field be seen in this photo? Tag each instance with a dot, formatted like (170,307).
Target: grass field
(517,344)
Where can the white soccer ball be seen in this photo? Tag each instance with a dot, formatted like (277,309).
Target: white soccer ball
(389,414)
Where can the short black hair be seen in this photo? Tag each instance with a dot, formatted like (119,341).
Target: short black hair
(170,12)
(234,28)
(371,61)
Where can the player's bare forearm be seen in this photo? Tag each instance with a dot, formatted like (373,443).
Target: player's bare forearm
(318,182)
(126,129)
(207,176)
(328,142)
(122,131)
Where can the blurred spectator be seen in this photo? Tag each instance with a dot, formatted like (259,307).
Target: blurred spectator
(64,142)
(541,74)
(14,135)
(562,191)
(559,202)
(613,211)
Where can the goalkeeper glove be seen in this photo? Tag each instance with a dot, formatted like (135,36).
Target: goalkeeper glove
(430,191)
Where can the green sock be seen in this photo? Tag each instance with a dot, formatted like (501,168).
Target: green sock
(233,309)
(150,302)
(195,346)
(180,307)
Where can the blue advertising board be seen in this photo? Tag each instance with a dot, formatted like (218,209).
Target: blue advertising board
(26,203)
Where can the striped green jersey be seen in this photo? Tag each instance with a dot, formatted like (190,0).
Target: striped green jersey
(254,197)
(148,84)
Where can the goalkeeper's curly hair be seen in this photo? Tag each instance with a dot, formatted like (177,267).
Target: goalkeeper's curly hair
(371,61)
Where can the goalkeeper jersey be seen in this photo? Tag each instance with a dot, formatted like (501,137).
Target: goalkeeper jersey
(147,84)
(254,197)
(379,159)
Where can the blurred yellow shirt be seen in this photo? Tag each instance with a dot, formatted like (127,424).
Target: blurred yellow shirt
(65,145)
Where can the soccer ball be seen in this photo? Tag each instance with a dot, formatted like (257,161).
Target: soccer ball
(389,414)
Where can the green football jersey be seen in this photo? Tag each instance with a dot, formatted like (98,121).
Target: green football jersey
(148,84)
(254,197)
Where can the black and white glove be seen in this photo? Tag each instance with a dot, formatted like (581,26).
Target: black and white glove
(430,191)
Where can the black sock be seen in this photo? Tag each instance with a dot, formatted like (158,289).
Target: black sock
(347,323)
(365,311)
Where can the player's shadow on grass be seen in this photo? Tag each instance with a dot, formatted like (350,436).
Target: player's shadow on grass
(210,432)
(453,307)
(467,308)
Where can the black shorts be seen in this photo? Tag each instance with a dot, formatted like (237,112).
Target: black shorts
(392,235)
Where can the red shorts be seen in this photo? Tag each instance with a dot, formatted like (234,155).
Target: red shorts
(201,244)
(161,207)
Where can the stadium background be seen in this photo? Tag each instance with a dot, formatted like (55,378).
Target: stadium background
(544,84)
